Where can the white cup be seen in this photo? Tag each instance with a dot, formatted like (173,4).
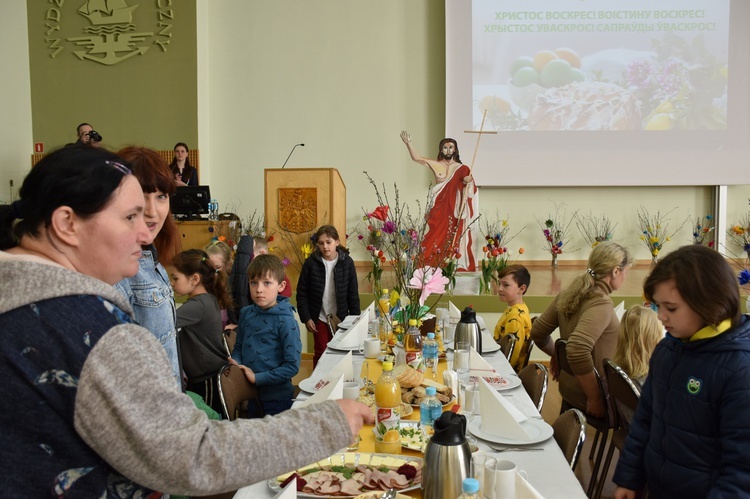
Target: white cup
(372,348)
(351,390)
(500,479)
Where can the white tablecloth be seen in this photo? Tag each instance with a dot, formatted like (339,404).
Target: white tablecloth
(548,471)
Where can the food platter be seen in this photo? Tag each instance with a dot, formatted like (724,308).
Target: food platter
(349,462)
(445,406)
(411,435)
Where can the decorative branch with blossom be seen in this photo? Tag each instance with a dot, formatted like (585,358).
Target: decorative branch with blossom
(739,234)
(392,234)
(255,224)
(595,229)
(655,230)
(703,231)
(556,231)
(496,252)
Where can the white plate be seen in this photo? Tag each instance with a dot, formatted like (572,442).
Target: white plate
(351,458)
(308,385)
(333,346)
(537,428)
(508,381)
(348,321)
(488,345)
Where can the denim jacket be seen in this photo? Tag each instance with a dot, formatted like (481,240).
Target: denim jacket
(150,294)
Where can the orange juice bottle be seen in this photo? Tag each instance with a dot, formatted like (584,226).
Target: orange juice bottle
(384,303)
(388,407)
(413,346)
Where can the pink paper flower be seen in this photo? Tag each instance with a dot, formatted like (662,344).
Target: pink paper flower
(429,281)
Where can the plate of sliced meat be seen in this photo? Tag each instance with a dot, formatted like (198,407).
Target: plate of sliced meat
(352,474)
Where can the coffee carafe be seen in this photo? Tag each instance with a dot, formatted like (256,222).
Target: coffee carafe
(468,330)
(447,459)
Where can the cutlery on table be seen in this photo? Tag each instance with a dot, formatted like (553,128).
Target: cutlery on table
(390,494)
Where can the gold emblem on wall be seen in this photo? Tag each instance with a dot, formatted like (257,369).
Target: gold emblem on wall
(111,36)
(298,209)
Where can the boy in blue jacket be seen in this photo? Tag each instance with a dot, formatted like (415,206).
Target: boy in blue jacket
(268,347)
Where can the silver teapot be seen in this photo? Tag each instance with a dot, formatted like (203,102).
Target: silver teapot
(467,330)
(447,458)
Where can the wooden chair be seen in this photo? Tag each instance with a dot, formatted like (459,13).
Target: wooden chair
(601,425)
(534,380)
(624,395)
(234,389)
(507,344)
(570,433)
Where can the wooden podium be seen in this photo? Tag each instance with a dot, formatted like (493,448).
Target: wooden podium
(298,202)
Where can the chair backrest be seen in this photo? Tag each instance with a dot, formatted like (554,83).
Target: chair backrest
(230,338)
(623,393)
(570,433)
(507,344)
(561,349)
(234,389)
(534,380)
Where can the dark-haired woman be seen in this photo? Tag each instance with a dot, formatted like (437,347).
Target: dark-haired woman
(88,403)
(184,173)
(149,291)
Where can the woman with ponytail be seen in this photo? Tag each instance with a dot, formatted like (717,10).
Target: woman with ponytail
(586,317)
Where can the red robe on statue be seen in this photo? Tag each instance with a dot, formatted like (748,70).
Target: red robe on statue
(444,218)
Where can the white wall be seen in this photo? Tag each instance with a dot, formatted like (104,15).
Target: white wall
(344,78)
(15,98)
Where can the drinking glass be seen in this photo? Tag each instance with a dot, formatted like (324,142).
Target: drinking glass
(450,329)
(461,354)
(478,460)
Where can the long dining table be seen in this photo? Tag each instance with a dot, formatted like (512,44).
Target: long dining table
(547,470)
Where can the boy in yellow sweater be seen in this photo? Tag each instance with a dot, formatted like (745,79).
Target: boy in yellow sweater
(513,281)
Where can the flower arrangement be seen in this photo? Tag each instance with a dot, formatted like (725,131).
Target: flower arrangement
(374,237)
(392,234)
(255,224)
(739,234)
(556,231)
(595,229)
(703,230)
(300,247)
(496,252)
(655,230)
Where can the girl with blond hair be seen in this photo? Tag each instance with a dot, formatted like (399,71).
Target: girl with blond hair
(640,331)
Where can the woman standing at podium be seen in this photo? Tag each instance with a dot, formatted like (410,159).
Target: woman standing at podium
(184,173)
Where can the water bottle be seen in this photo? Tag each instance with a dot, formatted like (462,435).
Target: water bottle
(413,346)
(430,354)
(470,488)
(429,410)
(213,209)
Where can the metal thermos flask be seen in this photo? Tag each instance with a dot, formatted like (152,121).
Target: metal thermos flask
(468,330)
(447,459)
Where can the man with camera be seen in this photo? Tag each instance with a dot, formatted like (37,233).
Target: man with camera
(87,136)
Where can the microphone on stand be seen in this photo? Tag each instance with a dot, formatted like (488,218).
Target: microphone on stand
(290,154)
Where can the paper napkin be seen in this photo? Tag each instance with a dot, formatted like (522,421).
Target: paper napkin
(332,391)
(369,313)
(453,312)
(478,366)
(354,336)
(525,489)
(506,420)
(620,310)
